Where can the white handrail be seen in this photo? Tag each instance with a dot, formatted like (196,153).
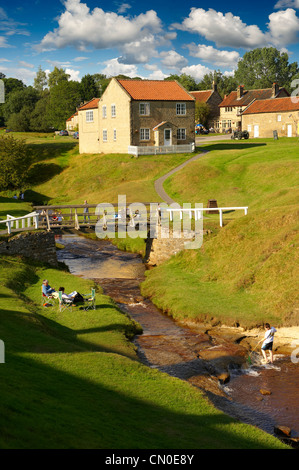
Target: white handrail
(10,220)
(198,211)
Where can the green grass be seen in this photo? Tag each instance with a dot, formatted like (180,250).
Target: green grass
(245,273)
(73,380)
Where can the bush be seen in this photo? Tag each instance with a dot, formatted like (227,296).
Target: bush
(15,161)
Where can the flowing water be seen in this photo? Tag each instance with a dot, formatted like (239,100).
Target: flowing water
(184,352)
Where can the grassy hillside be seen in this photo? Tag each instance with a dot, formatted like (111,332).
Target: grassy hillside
(69,379)
(247,272)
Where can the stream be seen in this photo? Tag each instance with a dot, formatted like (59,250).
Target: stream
(204,358)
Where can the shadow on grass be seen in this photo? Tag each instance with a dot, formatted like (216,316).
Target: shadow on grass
(43,172)
(231,146)
(47,151)
(66,403)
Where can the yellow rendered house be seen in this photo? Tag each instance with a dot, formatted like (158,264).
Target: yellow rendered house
(138,116)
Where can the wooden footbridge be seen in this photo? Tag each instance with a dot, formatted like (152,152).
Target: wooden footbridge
(87,215)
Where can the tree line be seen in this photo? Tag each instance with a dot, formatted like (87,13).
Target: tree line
(52,99)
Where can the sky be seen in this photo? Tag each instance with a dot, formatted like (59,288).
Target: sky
(136,38)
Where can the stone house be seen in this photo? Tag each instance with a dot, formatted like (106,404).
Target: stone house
(233,105)
(72,122)
(262,117)
(137,113)
(213,100)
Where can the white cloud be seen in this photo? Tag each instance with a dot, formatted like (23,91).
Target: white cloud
(80,27)
(26,75)
(139,52)
(287,4)
(157,75)
(74,74)
(227,30)
(173,60)
(124,7)
(80,59)
(284,27)
(114,67)
(22,63)
(3,42)
(211,55)
(196,71)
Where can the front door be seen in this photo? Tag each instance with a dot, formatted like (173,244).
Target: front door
(256,131)
(290,130)
(167,137)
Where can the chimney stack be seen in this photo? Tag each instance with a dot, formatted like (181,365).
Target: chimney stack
(214,86)
(275,89)
(240,91)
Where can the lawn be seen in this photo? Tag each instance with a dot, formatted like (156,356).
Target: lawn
(73,380)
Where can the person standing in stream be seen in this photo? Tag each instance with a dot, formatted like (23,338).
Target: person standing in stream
(268,342)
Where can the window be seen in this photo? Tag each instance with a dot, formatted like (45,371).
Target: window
(144,134)
(279,118)
(105,135)
(104,111)
(249,128)
(181,134)
(181,109)
(114,135)
(113,110)
(228,109)
(229,123)
(144,109)
(89,116)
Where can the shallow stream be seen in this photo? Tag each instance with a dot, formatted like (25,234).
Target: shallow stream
(185,352)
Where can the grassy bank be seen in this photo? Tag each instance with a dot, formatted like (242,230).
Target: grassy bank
(246,272)
(69,379)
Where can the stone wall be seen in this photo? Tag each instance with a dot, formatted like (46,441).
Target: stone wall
(166,244)
(39,246)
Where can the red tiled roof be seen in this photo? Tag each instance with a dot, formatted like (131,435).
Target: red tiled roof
(279,105)
(201,96)
(248,96)
(155,90)
(92,104)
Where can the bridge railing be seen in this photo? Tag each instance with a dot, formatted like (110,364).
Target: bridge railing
(25,222)
(198,212)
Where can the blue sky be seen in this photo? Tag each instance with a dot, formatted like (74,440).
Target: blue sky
(137,38)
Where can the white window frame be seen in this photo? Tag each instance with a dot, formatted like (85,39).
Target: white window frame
(104,111)
(105,135)
(181,133)
(89,116)
(181,109)
(114,134)
(144,108)
(278,117)
(113,110)
(145,134)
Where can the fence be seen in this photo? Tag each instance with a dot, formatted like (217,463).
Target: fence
(26,222)
(198,212)
(160,150)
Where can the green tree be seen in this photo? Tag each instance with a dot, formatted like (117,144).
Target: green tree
(65,97)
(15,161)
(187,81)
(202,112)
(39,118)
(262,67)
(40,81)
(16,101)
(101,82)
(88,88)
(57,76)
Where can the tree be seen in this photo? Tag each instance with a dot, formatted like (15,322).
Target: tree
(15,161)
(65,97)
(40,81)
(101,82)
(57,76)
(39,118)
(202,112)
(261,68)
(187,81)
(16,101)
(88,88)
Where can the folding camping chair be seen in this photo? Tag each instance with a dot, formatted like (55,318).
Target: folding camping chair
(47,300)
(89,301)
(64,304)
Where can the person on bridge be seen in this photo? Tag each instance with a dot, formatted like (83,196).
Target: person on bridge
(86,213)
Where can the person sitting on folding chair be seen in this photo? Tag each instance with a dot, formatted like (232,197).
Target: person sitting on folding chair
(67,297)
(47,289)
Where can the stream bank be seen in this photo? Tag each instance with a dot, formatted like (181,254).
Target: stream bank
(212,358)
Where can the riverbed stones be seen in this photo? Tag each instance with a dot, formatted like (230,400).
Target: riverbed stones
(282,431)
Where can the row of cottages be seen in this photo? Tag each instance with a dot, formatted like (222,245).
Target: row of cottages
(233,105)
(264,117)
(138,116)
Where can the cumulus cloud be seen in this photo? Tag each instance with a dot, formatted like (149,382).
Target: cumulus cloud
(196,71)
(227,30)
(3,42)
(78,26)
(114,67)
(173,60)
(211,55)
